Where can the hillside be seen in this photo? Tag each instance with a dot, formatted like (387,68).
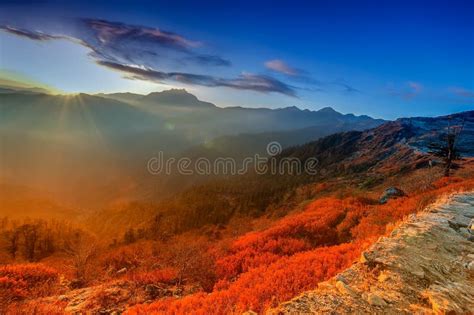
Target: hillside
(364,159)
(391,147)
(256,265)
(426,266)
(428,129)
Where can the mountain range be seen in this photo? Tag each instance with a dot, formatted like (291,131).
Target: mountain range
(99,144)
(48,139)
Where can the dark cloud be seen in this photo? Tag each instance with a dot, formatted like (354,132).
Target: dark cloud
(34,35)
(143,45)
(208,60)
(116,33)
(246,81)
(346,87)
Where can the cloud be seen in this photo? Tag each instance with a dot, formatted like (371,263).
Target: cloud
(280,66)
(143,45)
(415,86)
(302,76)
(408,91)
(346,86)
(34,35)
(115,33)
(245,81)
(126,43)
(140,51)
(208,60)
(459,91)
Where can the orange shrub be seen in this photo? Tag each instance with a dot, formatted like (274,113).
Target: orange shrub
(326,221)
(264,286)
(18,282)
(165,276)
(140,254)
(36,307)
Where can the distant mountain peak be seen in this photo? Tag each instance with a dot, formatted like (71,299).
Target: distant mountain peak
(172,91)
(328,110)
(176,97)
(292,108)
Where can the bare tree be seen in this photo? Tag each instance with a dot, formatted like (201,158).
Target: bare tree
(82,250)
(30,236)
(446,146)
(13,238)
(192,262)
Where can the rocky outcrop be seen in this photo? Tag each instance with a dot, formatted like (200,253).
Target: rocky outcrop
(425,266)
(390,193)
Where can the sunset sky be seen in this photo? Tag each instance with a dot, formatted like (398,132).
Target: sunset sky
(383,58)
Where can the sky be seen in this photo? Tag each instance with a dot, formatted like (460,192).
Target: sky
(386,59)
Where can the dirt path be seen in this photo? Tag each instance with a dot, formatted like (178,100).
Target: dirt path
(426,266)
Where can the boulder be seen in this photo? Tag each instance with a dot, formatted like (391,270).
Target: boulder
(375,300)
(391,193)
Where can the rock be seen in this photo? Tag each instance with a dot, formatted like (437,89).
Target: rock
(368,258)
(345,289)
(470,266)
(391,193)
(464,232)
(375,300)
(341,278)
(364,258)
(453,225)
(417,272)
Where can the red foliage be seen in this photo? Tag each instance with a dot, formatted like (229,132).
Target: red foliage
(165,276)
(264,286)
(315,227)
(37,307)
(130,256)
(265,268)
(445,181)
(18,282)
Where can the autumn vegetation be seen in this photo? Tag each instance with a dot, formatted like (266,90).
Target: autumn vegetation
(246,261)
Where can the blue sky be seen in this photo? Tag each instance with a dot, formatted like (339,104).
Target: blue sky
(386,59)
